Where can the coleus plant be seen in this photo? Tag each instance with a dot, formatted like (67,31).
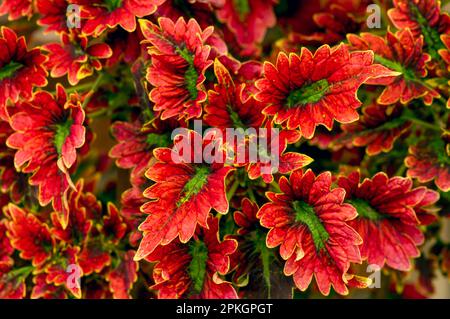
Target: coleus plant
(102,198)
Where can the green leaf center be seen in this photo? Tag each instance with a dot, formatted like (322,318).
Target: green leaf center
(112,5)
(191,75)
(234,116)
(438,147)
(194,185)
(197,266)
(8,70)
(311,93)
(431,35)
(242,7)
(158,140)
(365,210)
(62,131)
(408,73)
(305,214)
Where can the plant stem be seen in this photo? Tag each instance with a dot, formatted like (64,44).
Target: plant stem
(233,189)
(276,187)
(265,259)
(93,89)
(22,272)
(401,170)
(423,123)
(80,87)
(251,195)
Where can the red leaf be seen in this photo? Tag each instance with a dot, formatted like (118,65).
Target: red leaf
(182,196)
(29,235)
(316,89)
(122,277)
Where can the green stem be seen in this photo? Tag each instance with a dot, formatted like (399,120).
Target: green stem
(435,113)
(98,114)
(251,194)
(423,123)
(401,170)
(265,259)
(94,88)
(276,187)
(81,87)
(22,272)
(233,189)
